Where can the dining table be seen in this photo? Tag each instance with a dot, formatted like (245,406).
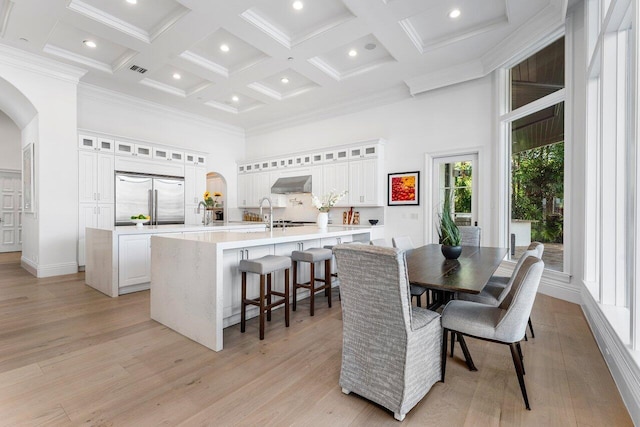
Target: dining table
(427,267)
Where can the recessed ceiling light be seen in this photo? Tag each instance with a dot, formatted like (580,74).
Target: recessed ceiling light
(177,76)
(284,80)
(370,46)
(454,13)
(89,43)
(224,47)
(234,98)
(132,1)
(353,53)
(297,5)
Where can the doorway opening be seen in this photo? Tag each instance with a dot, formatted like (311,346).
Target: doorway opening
(217,188)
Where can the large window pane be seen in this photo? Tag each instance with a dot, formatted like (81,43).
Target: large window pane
(537,183)
(538,76)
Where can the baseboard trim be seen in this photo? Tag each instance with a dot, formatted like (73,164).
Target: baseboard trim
(50,270)
(560,289)
(621,363)
(29,265)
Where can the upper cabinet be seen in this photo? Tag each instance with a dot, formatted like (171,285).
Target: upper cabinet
(134,149)
(357,168)
(96,143)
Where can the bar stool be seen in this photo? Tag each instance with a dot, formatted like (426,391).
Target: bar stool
(312,256)
(265,267)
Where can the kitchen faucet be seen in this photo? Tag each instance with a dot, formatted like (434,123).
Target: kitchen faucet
(270,211)
(204,214)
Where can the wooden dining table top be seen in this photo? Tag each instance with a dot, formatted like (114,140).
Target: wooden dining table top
(427,267)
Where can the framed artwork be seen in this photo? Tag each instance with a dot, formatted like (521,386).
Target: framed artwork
(403,189)
(28,185)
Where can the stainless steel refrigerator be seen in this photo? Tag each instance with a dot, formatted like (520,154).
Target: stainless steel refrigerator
(160,197)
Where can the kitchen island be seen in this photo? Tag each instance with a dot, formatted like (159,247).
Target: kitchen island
(118,261)
(195,283)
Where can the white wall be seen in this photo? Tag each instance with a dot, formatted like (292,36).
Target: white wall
(10,153)
(455,118)
(121,115)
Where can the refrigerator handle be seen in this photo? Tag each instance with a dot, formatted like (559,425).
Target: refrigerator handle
(155,207)
(150,202)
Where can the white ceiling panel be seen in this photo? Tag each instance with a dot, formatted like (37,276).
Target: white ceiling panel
(284,84)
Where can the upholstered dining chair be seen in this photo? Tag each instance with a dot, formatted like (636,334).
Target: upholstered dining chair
(391,350)
(504,324)
(405,243)
(469,235)
(498,287)
(379,242)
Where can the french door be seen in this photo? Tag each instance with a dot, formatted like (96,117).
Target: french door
(454,177)
(10,212)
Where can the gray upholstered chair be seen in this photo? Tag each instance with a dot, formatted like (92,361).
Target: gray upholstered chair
(498,286)
(504,324)
(469,235)
(405,243)
(391,350)
(379,242)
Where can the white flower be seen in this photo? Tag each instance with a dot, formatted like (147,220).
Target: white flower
(327,201)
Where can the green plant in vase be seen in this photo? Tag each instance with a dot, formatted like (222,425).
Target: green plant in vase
(448,232)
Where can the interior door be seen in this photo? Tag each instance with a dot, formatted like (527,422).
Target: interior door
(10,212)
(454,176)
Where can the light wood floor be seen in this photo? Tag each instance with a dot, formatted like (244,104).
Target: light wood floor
(72,356)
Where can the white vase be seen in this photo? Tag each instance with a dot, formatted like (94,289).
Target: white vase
(323,219)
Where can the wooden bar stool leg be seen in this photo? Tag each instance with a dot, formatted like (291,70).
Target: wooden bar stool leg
(312,288)
(295,284)
(269,296)
(243,305)
(327,278)
(286,297)
(262,299)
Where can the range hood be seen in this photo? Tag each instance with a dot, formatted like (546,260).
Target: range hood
(292,184)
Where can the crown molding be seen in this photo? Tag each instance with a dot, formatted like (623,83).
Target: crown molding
(389,96)
(41,65)
(453,75)
(71,56)
(254,18)
(205,63)
(167,23)
(265,90)
(341,20)
(109,20)
(163,87)
(324,66)
(5,12)
(106,95)
(463,35)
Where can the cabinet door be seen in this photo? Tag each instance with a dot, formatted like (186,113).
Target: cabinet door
(335,176)
(87,217)
(191,215)
(200,176)
(261,187)
(105,178)
(190,185)
(245,190)
(125,148)
(87,166)
(134,260)
(317,186)
(106,216)
(364,183)
(160,153)
(106,145)
(88,142)
(143,151)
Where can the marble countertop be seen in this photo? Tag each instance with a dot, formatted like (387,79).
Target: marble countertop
(181,228)
(238,239)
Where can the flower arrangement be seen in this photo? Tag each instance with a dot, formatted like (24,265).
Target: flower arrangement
(211,200)
(327,201)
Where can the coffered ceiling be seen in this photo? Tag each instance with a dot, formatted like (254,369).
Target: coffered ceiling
(265,63)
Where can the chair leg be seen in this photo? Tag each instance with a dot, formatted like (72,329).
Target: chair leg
(269,296)
(465,351)
(521,357)
(262,300)
(443,362)
(312,289)
(520,371)
(243,305)
(525,337)
(295,284)
(419,300)
(286,297)
(531,328)
(327,278)
(453,341)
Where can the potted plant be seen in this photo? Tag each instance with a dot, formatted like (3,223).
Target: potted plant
(448,232)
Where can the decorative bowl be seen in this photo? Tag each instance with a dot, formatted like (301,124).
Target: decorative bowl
(373,221)
(139,222)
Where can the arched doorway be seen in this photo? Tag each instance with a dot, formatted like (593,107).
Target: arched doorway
(217,184)
(10,186)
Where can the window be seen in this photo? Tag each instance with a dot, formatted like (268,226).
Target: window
(536,146)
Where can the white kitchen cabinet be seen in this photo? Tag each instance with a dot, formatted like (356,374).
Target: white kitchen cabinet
(336,155)
(134,260)
(285,249)
(364,151)
(96,143)
(195,184)
(195,159)
(245,190)
(101,215)
(335,176)
(233,278)
(365,183)
(133,149)
(96,177)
